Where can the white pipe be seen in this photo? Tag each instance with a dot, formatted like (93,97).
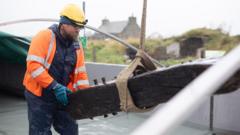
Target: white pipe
(189,99)
(87,26)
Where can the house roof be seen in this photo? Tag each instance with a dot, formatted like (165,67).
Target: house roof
(114,27)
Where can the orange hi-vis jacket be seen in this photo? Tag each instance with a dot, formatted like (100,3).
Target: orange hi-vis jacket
(39,59)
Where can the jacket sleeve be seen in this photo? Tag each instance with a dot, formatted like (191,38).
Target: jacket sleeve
(83,75)
(37,53)
(80,76)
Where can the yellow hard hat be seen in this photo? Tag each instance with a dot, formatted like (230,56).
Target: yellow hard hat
(74,13)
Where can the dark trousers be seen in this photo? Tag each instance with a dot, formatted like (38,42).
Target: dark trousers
(43,112)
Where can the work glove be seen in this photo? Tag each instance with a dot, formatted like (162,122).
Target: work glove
(61,92)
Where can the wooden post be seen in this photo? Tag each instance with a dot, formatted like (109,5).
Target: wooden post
(143,25)
(94,56)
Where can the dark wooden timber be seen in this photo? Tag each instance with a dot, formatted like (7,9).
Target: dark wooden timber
(148,89)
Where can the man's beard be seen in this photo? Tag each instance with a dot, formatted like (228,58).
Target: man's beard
(69,36)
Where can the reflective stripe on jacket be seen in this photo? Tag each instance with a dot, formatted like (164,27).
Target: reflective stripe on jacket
(40,56)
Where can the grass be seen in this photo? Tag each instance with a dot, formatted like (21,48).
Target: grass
(215,39)
(109,51)
(171,61)
(106,51)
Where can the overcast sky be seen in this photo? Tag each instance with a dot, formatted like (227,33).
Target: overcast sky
(167,17)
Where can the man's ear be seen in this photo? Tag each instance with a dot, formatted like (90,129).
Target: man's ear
(62,26)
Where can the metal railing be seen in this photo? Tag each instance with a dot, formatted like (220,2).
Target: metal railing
(190,98)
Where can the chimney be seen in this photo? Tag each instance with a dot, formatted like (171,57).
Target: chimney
(105,21)
(132,20)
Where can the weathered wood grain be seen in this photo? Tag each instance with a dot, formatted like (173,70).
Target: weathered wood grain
(148,89)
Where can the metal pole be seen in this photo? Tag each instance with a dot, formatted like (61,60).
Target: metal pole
(175,111)
(84,6)
(211,114)
(84,10)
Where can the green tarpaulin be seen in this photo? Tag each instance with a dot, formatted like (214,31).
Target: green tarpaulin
(13,49)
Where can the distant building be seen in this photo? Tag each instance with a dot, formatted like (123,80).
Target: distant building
(173,50)
(121,29)
(160,53)
(190,46)
(214,53)
(186,47)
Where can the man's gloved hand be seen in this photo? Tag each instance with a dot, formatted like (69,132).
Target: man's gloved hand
(61,92)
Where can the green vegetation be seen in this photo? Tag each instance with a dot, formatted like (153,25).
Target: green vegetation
(170,62)
(215,39)
(109,51)
(150,44)
(106,51)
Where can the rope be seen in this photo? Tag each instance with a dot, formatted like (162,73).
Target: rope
(126,101)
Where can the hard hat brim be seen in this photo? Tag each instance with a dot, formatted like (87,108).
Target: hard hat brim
(79,23)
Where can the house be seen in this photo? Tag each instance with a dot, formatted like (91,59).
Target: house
(190,46)
(186,47)
(121,29)
(173,50)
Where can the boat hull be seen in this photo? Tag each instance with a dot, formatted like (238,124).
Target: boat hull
(148,89)
(12,75)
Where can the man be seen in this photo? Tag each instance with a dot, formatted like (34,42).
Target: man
(55,68)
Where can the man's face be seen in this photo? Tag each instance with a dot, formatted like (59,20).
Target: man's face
(71,32)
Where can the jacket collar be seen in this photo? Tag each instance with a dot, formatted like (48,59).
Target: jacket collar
(63,41)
